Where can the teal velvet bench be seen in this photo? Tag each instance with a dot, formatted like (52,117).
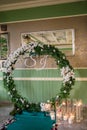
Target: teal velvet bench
(31,121)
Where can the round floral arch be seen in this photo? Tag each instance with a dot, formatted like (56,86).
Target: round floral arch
(67,72)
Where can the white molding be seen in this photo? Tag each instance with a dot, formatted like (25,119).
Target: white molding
(39,79)
(80,68)
(48,79)
(47,68)
(45,79)
(81,79)
(37,69)
(76,68)
(20,21)
(29,4)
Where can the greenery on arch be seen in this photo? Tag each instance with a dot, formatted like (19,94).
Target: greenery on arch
(67,72)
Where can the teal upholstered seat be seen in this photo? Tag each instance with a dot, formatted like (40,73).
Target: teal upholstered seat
(31,121)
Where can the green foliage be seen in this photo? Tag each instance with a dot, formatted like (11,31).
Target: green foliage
(21,103)
(3,40)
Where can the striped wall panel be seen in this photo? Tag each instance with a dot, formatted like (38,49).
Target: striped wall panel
(40,85)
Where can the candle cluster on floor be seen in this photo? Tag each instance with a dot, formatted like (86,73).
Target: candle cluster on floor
(69,111)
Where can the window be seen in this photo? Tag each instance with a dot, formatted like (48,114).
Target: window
(3,46)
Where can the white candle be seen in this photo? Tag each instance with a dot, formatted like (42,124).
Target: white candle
(47,106)
(52,114)
(65,117)
(78,111)
(63,107)
(59,115)
(71,118)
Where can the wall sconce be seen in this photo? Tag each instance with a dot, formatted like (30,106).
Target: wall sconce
(3,27)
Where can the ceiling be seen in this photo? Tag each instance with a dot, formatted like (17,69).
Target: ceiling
(17,4)
(3,2)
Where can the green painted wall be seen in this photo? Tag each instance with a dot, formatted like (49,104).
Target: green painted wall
(47,73)
(37,91)
(43,90)
(3,93)
(80,91)
(37,73)
(66,9)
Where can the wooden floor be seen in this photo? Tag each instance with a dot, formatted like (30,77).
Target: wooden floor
(75,126)
(4,115)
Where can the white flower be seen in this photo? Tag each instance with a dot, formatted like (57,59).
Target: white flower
(22,100)
(65,70)
(72,74)
(8,63)
(66,78)
(54,50)
(5,63)
(67,73)
(70,82)
(48,45)
(64,57)
(21,50)
(17,99)
(34,44)
(33,50)
(58,61)
(27,105)
(14,57)
(16,54)
(13,89)
(64,91)
(62,71)
(4,70)
(48,101)
(45,106)
(25,47)
(41,45)
(8,93)
(57,97)
(42,105)
(18,109)
(11,96)
(7,81)
(7,85)
(30,49)
(9,69)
